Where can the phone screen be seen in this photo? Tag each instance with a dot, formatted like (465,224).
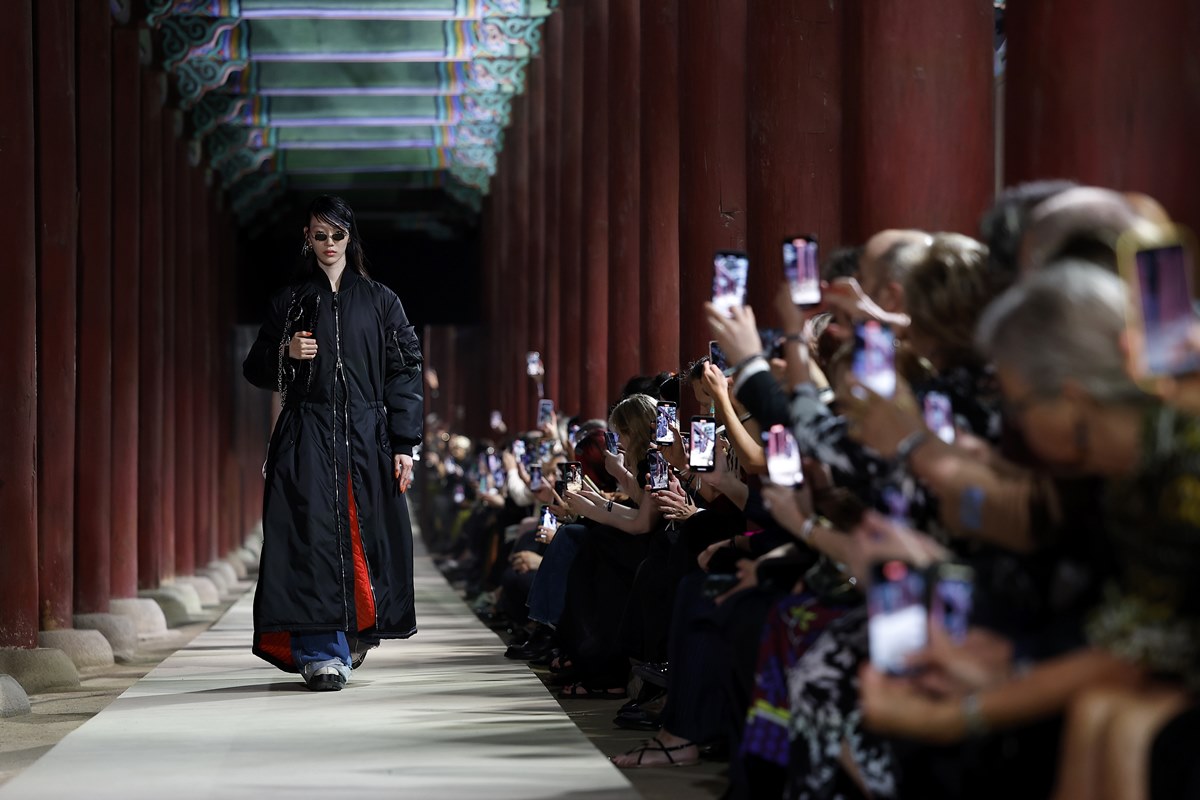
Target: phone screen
(571,473)
(533,363)
(518,448)
(703,454)
(717,356)
(953,599)
(729,280)
(460,493)
(612,442)
(545,412)
(802,270)
(875,357)
(548,518)
(535,478)
(660,471)
(898,623)
(496,421)
(939,416)
(667,415)
(1164,292)
(573,434)
(783,457)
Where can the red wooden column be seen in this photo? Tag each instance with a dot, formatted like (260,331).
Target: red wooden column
(624,177)
(18,309)
(57,297)
(593,320)
(795,155)
(170,194)
(185,338)
(712,152)
(126,244)
(918,101)
(93,454)
(551,68)
(520,278)
(201,379)
(537,295)
(1123,112)
(658,240)
(150,367)
(571,204)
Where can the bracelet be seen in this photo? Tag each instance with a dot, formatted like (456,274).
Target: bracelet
(973,721)
(806,530)
(910,443)
(745,362)
(608,506)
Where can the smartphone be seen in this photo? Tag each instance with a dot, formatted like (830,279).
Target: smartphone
(535,478)
(548,519)
(703,454)
(718,584)
(496,421)
(573,434)
(545,450)
(939,416)
(612,442)
(533,363)
(802,270)
(571,473)
(518,448)
(560,487)
(897,620)
(783,457)
(1159,273)
(545,412)
(717,356)
(660,471)
(952,599)
(667,415)
(460,494)
(875,357)
(729,280)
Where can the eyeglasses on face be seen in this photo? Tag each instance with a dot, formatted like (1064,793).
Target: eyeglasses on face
(337,237)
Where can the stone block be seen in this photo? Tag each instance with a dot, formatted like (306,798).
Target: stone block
(146,614)
(85,648)
(120,631)
(39,670)
(226,569)
(179,603)
(13,700)
(238,566)
(206,590)
(218,579)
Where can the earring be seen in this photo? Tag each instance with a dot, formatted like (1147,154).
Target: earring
(306,249)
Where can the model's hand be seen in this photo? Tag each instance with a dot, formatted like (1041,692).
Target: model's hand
(302,347)
(674,453)
(404,471)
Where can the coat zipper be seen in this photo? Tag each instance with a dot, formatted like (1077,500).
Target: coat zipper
(340,373)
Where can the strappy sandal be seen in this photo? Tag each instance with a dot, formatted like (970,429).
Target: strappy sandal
(654,745)
(579,691)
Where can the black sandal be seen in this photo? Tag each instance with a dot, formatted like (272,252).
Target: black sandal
(657,746)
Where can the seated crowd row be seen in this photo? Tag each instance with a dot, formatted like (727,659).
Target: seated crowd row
(937,536)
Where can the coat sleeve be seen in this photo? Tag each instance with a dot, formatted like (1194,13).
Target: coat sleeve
(402,381)
(261,366)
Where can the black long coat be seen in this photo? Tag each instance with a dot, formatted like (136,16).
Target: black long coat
(337,541)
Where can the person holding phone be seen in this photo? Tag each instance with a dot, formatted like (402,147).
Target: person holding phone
(336,574)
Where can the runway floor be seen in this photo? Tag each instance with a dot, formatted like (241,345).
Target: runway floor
(442,715)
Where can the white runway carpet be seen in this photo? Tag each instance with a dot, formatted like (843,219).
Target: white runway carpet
(442,715)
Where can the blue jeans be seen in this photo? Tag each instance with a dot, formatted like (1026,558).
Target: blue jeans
(548,595)
(312,651)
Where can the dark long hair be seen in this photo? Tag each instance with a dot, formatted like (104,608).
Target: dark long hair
(335,211)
